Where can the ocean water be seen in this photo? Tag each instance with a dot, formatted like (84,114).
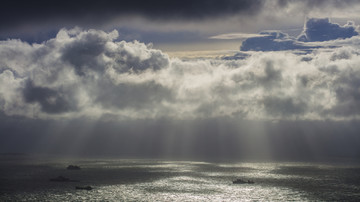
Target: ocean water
(26,178)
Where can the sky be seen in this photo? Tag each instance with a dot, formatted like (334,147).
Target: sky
(213,80)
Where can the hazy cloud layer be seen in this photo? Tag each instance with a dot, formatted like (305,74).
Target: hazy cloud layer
(237,36)
(89,74)
(271,41)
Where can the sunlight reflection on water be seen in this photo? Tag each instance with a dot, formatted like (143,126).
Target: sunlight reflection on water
(197,190)
(146,180)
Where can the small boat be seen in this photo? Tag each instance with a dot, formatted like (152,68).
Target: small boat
(84,188)
(241,181)
(72,167)
(62,179)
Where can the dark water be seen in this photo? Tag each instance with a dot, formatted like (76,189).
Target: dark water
(26,178)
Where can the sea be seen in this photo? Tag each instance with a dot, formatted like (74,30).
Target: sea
(27,178)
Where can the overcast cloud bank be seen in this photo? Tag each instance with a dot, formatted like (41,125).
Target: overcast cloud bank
(87,73)
(40,20)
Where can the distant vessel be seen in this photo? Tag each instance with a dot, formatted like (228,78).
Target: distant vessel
(84,188)
(241,181)
(62,179)
(72,167)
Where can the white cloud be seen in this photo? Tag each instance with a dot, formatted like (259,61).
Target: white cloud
(236,36)
(90,74)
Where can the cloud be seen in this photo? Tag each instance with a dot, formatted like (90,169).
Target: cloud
(271,41)
(315,30)
(128,99)
(284,106)
(237,36)
(236,56)
(50,100)
(89,73)
(93,12)
(160,20)
(324,30)
(76,71)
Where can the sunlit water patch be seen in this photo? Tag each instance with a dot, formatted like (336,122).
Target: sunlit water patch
(151,180)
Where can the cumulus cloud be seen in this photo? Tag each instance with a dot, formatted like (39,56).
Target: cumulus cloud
(72,72)
(315,30)
(50,100)
(88,73)
(324,30)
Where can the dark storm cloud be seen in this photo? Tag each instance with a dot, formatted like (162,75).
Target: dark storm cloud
(36,21)
(15,13)
(83,53)
(51,101)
